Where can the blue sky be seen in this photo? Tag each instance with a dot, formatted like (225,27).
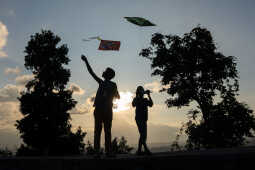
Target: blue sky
(231,23)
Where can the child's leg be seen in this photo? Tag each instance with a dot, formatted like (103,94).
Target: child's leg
(97,133)
(145,137)
(108,135)
(143,133)
(140,144)
(140,138)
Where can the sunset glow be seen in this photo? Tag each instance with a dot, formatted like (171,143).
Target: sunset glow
(124,103)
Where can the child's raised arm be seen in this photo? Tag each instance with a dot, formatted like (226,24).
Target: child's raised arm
(84,58)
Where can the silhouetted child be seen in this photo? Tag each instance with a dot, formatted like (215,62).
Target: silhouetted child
(106,92)
(141,117)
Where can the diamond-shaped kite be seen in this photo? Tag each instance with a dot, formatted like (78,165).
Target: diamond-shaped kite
(139,21)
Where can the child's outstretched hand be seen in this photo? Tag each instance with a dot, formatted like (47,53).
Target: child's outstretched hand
(83,57)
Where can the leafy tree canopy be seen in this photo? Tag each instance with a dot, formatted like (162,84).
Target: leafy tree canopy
(45,103)
(194,70)
(192,67)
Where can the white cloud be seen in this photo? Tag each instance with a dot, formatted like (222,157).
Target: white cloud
(84,108)
(90,100)
(24,79)
(9,113)
(3,39)
(9,93)
(80,109)
(15,70)
(76,89)
(154,86)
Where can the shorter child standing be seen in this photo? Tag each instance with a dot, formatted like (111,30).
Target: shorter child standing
(141,117)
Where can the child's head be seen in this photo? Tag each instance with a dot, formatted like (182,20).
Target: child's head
(108,74)
(140,91)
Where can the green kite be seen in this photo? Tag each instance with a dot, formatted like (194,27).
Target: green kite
(139,21)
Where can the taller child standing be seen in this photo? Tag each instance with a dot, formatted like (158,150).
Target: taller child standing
(106,92)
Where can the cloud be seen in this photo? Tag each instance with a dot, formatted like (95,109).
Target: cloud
(3,39)
(9,93)
(15,70)
(10,138)
(154,86)
(76,89)
(80,109)
(90,100)
(11,12)
(9,113)
(84,108)
(24,79)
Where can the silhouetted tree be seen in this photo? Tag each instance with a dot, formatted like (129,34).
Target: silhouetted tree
(90,150)
(195,71)
(45,127)
(120,146)
(192,67)
(175,146)
(229,126)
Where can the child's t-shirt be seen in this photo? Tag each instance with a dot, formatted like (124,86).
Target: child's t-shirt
(105,94)
(141,104)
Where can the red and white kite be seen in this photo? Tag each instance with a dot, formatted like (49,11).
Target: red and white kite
(109,45)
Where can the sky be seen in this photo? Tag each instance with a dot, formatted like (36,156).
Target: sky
(231,23)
